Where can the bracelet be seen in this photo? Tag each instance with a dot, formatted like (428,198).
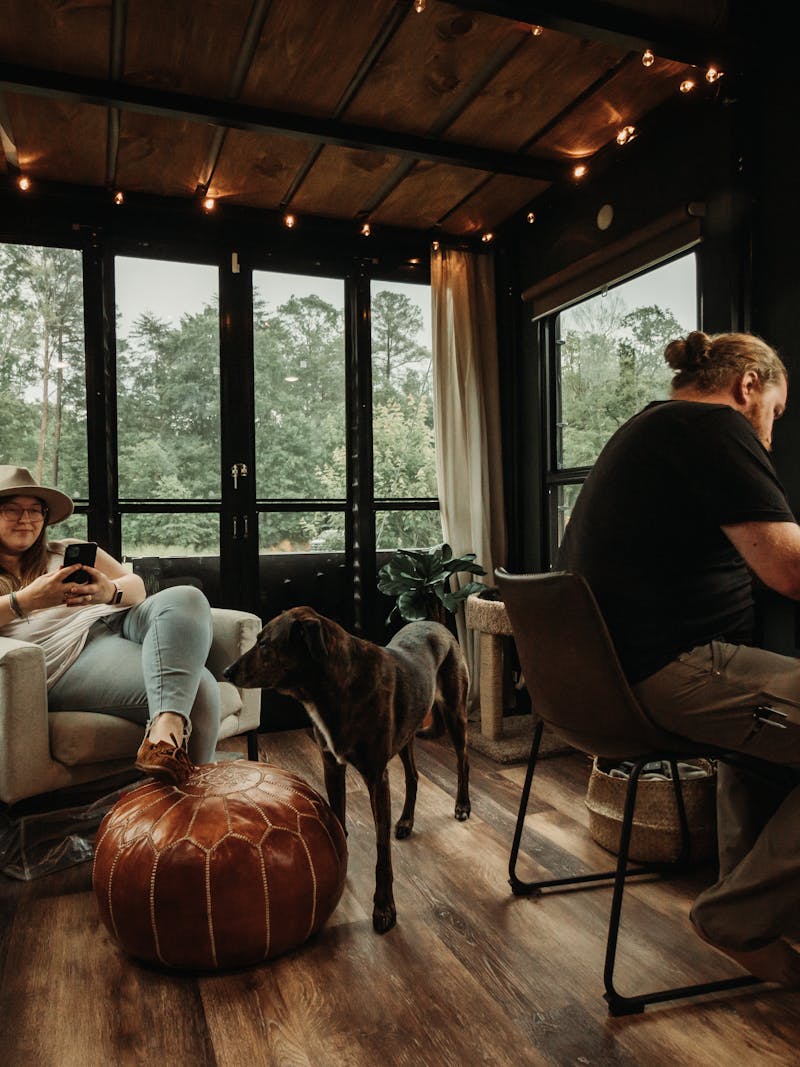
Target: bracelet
(15,606)
(117,594)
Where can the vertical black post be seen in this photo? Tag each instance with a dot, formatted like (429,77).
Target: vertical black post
(360,524)
(239,584)
(99,316)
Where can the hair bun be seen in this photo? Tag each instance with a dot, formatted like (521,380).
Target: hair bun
(688,353)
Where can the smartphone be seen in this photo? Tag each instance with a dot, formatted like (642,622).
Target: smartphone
(82,552)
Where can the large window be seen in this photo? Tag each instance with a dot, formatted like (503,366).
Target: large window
(607,362)
(298,350)
(42,370)
(404,457)
(168,403)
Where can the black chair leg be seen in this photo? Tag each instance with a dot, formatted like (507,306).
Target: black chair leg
(617,1003)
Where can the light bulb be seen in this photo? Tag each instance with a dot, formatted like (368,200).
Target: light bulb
(366,230)
(435,246)
(487,237)
(579,170)
(24,183)
(712,75)
(119,197)
(626,134)
(531,217)
(209,203)
(648,59)
(289,221)
(687,85)
(419,6)
(537,31)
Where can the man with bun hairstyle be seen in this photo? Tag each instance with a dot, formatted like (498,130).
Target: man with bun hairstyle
(681,509)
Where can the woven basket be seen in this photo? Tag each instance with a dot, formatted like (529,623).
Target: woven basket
(656,835)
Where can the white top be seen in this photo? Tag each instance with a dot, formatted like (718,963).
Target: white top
(61,631)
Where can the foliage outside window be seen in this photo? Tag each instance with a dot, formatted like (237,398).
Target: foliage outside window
(609,363)
(42,371)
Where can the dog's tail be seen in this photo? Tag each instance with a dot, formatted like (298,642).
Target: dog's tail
(436,727)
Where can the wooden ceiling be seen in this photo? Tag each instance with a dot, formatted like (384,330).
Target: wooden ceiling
(447,120)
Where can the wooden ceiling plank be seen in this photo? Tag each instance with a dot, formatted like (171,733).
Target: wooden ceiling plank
(491,204)
(236,115)
(119,19)
(7,136)
(59,141)
(698,43)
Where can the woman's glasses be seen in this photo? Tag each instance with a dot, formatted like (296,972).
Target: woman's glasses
(14,513)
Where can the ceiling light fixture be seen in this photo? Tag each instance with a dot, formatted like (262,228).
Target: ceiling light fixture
(626,135)
(580,170)
(487,237)
(289,221)
(419,6)
(687,85)
(119,197)
(366,230)
(537,31)
(209,203)
(713,75)
(531,217)
(648,59)
(23,183)
(435,246)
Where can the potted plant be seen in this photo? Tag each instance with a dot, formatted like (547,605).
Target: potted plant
(419,579)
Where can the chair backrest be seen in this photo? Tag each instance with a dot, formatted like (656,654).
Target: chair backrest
(571,668)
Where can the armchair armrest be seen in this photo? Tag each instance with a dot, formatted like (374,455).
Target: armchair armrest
(24,728)
(235,632)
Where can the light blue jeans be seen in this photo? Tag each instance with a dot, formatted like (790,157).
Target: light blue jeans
(149,660)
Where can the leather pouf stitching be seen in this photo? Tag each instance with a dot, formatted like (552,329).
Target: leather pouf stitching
(242,862)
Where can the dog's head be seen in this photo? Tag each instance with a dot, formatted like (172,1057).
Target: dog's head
(286,653)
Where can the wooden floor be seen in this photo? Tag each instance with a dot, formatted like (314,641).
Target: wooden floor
(470,975)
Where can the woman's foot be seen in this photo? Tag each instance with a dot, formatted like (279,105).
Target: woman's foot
(775,962)
(160,755)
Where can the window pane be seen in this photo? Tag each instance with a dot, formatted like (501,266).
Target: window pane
(298,341)
(301,531)
(75,526)
(402,391)
(407,529)
(167,380)
(42,372)
(170,535)
(611,355)
(566,495)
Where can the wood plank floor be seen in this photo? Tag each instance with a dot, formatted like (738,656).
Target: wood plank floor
(470,975)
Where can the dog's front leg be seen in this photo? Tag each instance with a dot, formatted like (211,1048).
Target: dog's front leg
(384,914)
(335,785)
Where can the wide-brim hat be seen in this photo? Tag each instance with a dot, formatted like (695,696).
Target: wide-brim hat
(18,481)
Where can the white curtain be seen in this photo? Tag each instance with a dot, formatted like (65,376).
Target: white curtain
(466,397)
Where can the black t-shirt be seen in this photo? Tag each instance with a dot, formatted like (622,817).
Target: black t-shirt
(645,530)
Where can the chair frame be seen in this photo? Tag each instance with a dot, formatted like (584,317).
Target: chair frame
(618,1004)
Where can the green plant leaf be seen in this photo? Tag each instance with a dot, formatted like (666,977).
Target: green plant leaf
(412,606)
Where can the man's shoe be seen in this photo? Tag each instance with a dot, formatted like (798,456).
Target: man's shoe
(775,962)
(165,761)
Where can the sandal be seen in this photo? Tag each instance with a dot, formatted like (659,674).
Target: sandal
(164,761)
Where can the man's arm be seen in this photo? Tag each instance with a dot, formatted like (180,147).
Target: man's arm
(772,551)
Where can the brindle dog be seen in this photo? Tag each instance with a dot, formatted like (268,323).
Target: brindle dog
(367,703)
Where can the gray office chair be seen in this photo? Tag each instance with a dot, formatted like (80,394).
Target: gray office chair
(578,689)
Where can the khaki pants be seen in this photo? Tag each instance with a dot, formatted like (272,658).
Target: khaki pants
(709,695)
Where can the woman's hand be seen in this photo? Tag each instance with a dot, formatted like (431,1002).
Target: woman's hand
(51,590)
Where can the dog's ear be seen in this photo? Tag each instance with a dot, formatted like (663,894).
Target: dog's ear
(312,634)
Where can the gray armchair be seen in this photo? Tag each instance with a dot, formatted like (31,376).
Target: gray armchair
(41,752)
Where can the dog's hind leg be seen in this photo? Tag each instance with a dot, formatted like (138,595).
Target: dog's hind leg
(453,707)
(405,823)
(384,913)
(335,785)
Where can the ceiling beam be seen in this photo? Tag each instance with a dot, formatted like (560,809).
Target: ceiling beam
(627,29)
(235,115)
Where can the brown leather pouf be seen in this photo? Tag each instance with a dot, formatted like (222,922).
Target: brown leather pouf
(241,863)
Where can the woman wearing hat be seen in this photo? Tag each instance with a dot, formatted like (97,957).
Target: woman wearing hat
(108,647)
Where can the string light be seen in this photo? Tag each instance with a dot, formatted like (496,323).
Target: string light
(648,59)
(209,203)
(687,85)
(537,31)
(435,246)
(579,171)
(366,230)
(289,221)
(626,135)
(487,237)
(24,182)
(713,75)
(419,6)
(119,197)
(531,217)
